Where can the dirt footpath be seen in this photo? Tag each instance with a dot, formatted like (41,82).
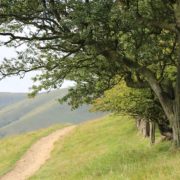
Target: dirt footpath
(36,156)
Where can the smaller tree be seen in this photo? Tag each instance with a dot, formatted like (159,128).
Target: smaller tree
(140,103)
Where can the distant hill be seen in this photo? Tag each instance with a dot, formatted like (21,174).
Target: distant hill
(9,98)
(18,113)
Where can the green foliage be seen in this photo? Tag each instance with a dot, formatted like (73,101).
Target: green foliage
(123,99)
(137,102)
(87,42)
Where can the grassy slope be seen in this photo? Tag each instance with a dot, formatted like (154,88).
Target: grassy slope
(12,148)
(110,149)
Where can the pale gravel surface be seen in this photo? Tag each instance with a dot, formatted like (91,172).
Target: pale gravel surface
(36,156)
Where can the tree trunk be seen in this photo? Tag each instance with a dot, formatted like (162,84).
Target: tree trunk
(146,131)
(176,122)
(143,126)
(165,102)
(173,114)
(152,132)
(165,129)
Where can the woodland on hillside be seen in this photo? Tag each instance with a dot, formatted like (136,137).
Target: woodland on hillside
(101,45)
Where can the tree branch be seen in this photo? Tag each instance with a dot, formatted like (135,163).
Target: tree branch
(23,38)
(135,84)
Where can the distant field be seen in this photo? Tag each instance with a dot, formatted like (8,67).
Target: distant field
(110,149)
(19,114)
(12,148)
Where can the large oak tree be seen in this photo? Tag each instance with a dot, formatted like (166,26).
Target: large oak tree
(96,43)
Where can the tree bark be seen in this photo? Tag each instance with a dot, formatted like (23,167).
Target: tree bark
(143,126)
(176,122)
(166,103)
(165,129)
(152,132)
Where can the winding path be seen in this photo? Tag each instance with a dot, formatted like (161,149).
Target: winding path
(36,156)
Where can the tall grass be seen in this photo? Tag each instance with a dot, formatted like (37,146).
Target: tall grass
(110,149)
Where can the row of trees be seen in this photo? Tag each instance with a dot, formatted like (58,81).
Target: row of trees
(97,44)
(140,103)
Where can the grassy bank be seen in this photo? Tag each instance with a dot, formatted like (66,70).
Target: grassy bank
(12,148)
(110,149)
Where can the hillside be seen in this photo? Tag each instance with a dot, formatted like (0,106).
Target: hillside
(20,114)
(109,148)
(10,98)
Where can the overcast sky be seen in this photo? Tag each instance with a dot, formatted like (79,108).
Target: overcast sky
(15,84)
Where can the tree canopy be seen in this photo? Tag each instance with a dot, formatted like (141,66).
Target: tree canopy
(97,44)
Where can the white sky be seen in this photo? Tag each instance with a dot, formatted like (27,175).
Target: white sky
(15,84)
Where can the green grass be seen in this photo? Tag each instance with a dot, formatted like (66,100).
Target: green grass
(12,148)
(110,149)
